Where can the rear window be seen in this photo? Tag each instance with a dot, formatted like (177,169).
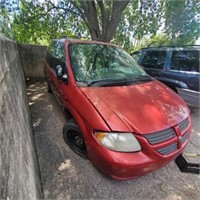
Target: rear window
(185,60)
(154,59)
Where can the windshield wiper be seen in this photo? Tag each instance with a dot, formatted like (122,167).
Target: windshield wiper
(112,82)
(144,77)
(92,82)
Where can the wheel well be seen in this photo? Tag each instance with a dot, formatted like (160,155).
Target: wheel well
(171,86)
(174,89)
(68,115)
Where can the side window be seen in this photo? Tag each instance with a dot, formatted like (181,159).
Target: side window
(50,54)
(186,60)
(154,59)
(58,56)
(60,52)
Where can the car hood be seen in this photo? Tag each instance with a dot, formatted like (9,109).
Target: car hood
(141,108)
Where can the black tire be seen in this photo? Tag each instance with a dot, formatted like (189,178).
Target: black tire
(49,88)
(73,137)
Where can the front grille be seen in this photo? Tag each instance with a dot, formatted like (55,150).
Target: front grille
(160,136)
(168,149)
(164,135)
(183,125)
(185,137)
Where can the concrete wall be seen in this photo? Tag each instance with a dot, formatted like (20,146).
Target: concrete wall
(19,176)
(32,58)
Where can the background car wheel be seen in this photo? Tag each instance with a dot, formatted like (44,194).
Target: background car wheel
(73,137)
(49,88)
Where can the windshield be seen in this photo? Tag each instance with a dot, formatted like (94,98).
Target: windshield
(95,62)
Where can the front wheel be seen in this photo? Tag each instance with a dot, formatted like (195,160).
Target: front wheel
(73,137)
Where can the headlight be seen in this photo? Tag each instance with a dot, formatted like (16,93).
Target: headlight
(123,142)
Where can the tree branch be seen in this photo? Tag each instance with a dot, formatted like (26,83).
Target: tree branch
(38,16)
(89,14)
(105,16)
(74,3)
(117,9)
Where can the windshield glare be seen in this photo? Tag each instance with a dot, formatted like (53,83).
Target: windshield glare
(91,62)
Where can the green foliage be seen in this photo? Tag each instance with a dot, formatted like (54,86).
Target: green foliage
(4,23)
(179,20)
(155,41)
(140,18)
(34,22)
(182,19)
(7,9)
(38,24)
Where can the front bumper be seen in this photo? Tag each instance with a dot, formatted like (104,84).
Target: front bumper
(123,166)
(120,165)
(191,97)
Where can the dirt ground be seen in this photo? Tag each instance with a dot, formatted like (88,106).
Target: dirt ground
(67,176)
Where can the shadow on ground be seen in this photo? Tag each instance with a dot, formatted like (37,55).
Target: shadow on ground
(67,176)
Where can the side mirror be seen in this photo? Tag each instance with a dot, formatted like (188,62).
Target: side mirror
(60,74)
(59,71)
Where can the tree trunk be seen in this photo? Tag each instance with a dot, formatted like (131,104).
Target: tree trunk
(115,18)
(101,27)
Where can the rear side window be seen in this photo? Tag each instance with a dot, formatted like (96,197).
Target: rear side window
(185,60)
(154,59)
(50,54)
(56,55)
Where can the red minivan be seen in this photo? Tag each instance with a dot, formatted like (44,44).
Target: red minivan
(127,123)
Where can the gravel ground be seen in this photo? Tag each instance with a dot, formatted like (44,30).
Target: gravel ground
(67,176)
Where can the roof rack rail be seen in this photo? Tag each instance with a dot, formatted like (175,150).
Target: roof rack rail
(172,46)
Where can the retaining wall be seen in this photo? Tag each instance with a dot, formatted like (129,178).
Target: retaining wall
(19,174)
(32,58)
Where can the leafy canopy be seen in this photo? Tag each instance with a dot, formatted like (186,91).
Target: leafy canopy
(128,23)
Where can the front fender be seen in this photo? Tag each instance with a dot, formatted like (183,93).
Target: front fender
(172,83)
(84,125)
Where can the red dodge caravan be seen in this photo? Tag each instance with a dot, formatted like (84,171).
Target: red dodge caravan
(126,123)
